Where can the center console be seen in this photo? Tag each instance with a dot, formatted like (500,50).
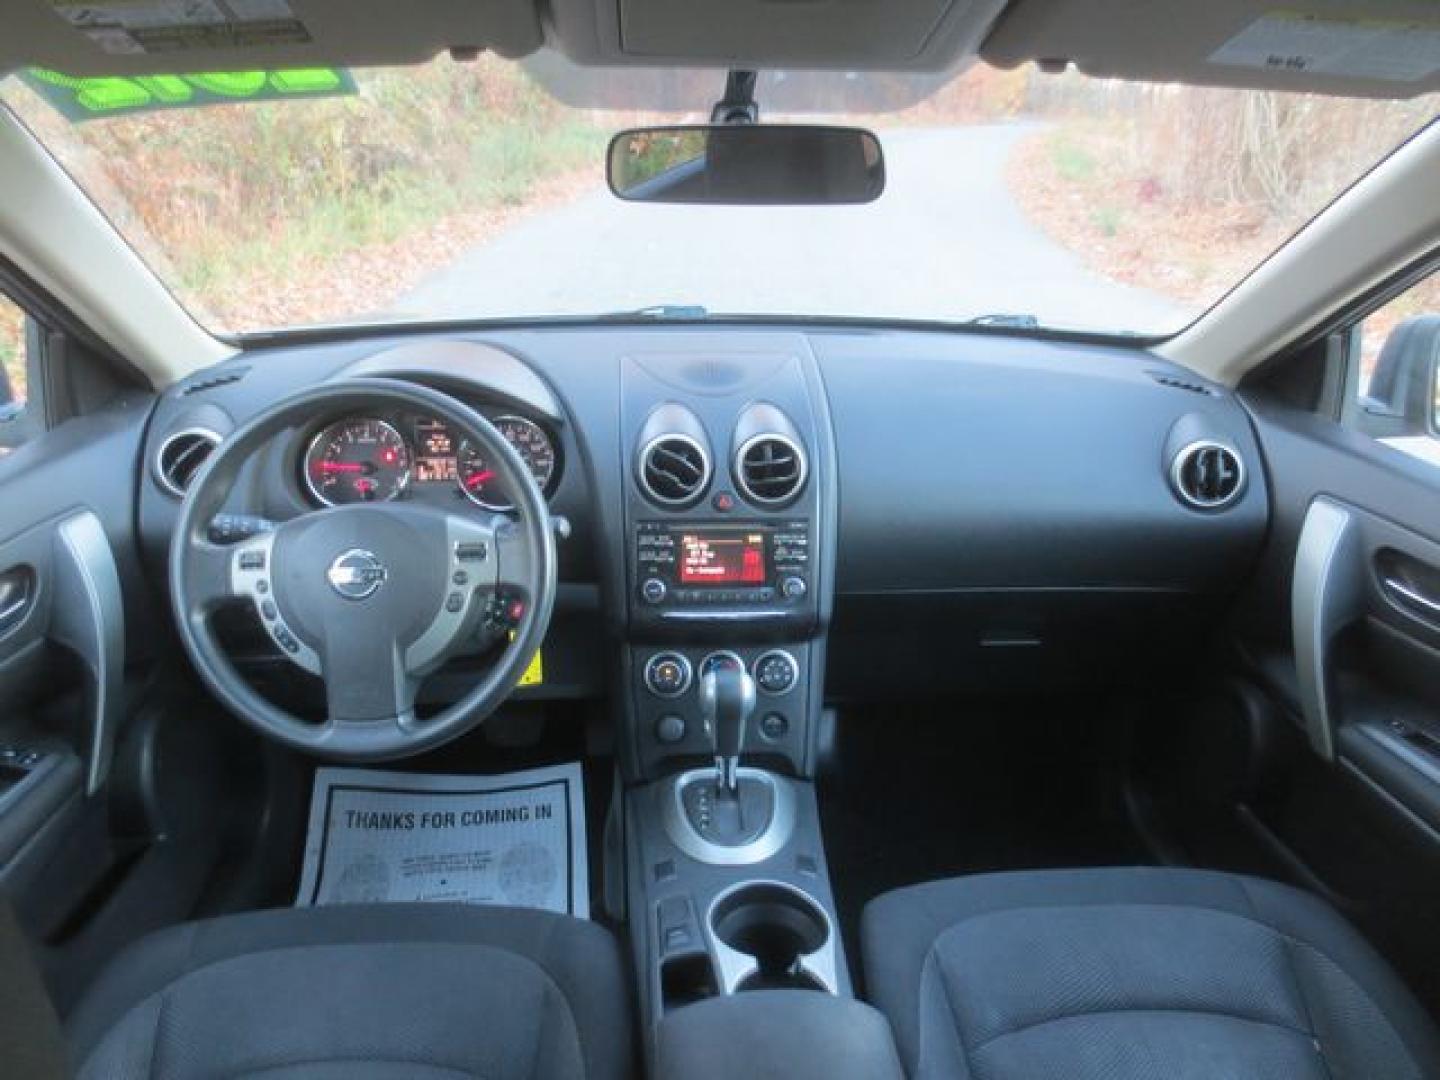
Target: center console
(729,522)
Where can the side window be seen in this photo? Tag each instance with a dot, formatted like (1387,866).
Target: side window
(15,371)
(1394,385)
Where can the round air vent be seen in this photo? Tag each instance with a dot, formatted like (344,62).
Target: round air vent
(770,469)
(181,456)
(1208,475)
(674,469)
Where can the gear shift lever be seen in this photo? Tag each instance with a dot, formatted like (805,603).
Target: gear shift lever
(727,698)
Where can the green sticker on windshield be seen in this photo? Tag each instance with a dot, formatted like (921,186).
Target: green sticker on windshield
(94,97)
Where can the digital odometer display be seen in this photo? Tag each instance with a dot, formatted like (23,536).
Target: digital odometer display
(723,558)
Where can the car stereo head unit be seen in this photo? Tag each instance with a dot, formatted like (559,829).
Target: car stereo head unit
(737,563)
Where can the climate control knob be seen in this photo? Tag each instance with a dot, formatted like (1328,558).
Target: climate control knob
(667,675)
(776,672)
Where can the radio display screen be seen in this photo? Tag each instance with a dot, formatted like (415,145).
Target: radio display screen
(716,557)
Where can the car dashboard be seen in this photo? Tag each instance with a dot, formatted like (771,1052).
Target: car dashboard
(854,513)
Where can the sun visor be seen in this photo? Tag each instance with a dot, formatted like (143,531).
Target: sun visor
(856,35)
(152,37)
(1381,48)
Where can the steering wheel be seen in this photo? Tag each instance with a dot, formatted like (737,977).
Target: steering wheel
(369,597)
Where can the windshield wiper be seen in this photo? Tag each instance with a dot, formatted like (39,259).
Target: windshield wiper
(659,312)
(1014,320)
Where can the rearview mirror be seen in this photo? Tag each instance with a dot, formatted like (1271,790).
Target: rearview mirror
(747,165)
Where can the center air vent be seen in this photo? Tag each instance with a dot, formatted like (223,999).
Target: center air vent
(770,469)
(1208,475)
(674,469)
(181,456)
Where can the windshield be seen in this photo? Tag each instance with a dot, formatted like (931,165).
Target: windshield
(468,190)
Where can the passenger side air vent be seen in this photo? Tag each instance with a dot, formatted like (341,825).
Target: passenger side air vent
(1208,475)
(770,469)
(674,470)
(181,456)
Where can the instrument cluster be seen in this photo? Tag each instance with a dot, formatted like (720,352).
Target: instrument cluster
(379,458)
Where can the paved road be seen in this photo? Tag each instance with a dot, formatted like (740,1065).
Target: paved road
(946,240)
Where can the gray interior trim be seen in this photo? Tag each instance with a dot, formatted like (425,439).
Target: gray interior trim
(1326,595)
(89,618)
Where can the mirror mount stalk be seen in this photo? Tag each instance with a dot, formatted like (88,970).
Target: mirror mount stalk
(738,106)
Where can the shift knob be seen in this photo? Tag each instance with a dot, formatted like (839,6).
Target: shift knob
(727,698)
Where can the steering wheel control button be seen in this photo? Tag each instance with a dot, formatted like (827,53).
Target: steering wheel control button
(793,588)
(267,609)
(776,672)
(774,726)
(252,560)
(471,552)
(460,577)
(262,586)
(653,590)
(667,675)
(454,602)
(286,639)
(356,574)
(670,728)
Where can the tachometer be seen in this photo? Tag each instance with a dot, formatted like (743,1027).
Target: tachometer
(361,460)
(480,481)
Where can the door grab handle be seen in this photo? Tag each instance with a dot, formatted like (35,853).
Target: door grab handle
(1409,594)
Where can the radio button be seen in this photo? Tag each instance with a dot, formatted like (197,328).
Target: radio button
(653,590)
(793,588)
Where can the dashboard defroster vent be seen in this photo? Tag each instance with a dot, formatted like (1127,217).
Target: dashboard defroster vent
(181,456)
(1208,475)
(674,469)
(770,469)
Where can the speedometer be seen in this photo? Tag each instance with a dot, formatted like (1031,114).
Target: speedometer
(477,477)
(361,460)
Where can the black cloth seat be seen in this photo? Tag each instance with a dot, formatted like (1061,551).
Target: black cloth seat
(1129,973)
(422,991)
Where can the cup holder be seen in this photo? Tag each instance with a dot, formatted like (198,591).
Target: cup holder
(775,926)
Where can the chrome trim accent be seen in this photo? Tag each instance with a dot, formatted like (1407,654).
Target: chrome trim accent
(1411,595)
(684,663)
(1189,450)
(645,454)
(723,616)
(794,667)
(157,468)
(734,967)
(683,835)
(739,468)
(310,449)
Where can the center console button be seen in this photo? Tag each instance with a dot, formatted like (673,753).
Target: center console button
(667,675)
(670,728)
(776,672)
(653,590)
(792,588)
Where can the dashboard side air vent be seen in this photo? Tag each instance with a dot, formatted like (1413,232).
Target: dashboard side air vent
(674,469)
(215,379)
(1208,475)
(770,469)
(181,456)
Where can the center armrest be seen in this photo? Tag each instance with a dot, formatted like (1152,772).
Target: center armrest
(795,1034)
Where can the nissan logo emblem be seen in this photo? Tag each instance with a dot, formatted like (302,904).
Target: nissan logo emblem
(356,574)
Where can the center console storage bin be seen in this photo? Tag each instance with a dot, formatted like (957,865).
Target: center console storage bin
(795,1034)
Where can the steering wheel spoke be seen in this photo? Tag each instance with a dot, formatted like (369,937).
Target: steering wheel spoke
(367,686)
